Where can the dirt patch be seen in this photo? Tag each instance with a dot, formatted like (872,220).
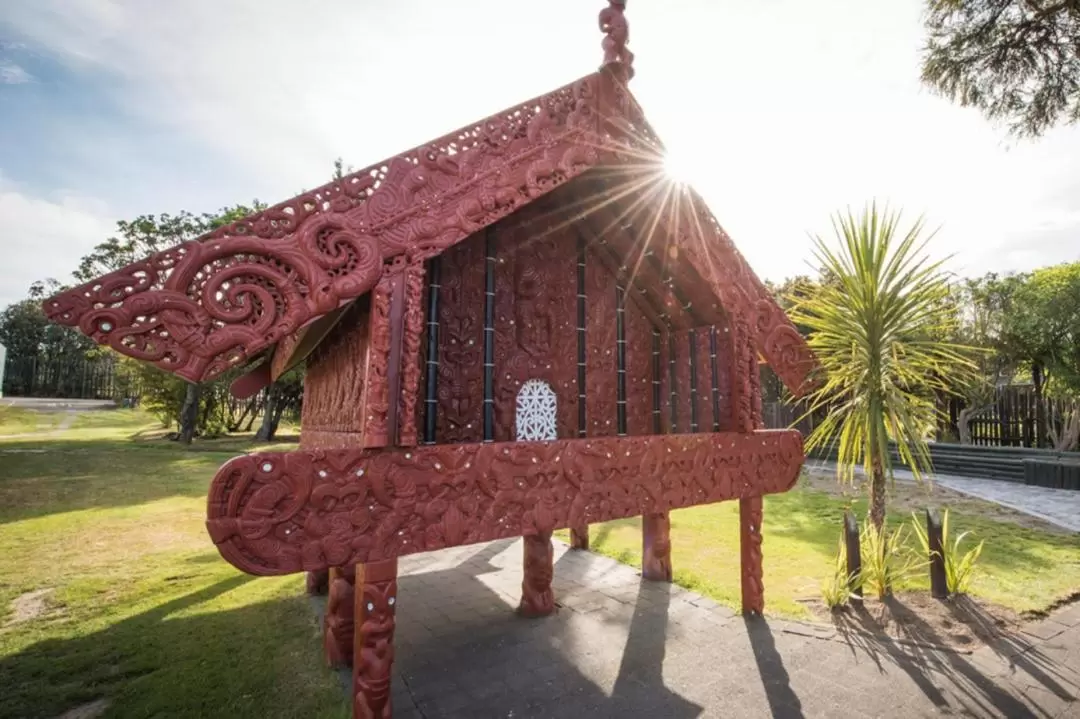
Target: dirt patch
(86,711)
(28,606)
(960,624)
(907,497)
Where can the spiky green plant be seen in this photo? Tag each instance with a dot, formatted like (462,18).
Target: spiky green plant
(878,323)
(836,590)
(959,567)
(887,562)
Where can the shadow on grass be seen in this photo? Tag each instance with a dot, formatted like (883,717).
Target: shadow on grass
(50,476)
(245,662)
(951,680)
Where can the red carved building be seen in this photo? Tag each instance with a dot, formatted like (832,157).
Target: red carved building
(519,327)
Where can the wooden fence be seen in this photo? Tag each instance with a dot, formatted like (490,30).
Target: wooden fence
(1012,420)
(71,377)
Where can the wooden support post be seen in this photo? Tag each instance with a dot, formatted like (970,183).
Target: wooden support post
(656,547)
(317,583)
(579,537)
(854,555)
(939,585)
(753,589)
(338,623)
(537,597)
(373,648)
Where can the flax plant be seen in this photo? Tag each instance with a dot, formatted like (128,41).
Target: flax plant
(879,325)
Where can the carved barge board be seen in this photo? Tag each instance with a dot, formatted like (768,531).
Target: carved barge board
(279,513)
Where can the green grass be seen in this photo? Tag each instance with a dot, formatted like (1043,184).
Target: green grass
(16,420)
(140,609)
(1024,569)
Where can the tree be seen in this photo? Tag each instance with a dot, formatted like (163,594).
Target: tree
(876,329)
(1017,61)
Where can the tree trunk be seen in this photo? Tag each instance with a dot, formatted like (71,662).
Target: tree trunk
(877,493)
(963,428)
(268,427)
(189,413)
(1040,408)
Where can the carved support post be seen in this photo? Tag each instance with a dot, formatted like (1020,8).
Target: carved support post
(537,598)
(317,583)
(373,648)
(656,547)
(338,626)
(579,537)
(753,589)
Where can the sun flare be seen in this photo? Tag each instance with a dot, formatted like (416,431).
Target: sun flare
(680,167)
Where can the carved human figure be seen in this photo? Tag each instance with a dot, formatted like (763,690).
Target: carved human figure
(373,652)
(537,597)
(656,547)
(616,35)
(339,623)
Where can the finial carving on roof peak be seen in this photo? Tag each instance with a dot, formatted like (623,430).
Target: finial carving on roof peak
(616,34)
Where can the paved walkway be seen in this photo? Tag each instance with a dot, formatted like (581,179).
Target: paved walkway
(1060,507)
(619,647)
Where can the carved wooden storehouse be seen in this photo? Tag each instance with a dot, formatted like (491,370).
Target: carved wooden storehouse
(519,327)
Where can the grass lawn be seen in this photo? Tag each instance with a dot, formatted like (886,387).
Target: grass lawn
(1022,568)
(111,590)
(16,420)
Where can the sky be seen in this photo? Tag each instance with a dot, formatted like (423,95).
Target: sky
(780,112)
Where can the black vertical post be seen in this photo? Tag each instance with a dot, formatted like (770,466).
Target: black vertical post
(431,399)
(581,335)
(489,334)
(656,381)
(854,557)
(692,335)
(939,585)
(620,358)
(714,371)
(671,381)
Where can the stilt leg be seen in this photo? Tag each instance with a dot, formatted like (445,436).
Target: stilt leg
(373,650)
(317,583)
(537,599)
(338,625)
(656,547)
(579,537)
(753,590)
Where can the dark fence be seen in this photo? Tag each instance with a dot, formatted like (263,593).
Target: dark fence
(70,377)
(1012,419)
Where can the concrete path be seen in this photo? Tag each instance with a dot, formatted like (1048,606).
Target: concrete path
(1060,507)
(620,647)
(55,404)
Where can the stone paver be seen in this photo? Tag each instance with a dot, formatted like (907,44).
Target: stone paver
(620,647)
(1060,507)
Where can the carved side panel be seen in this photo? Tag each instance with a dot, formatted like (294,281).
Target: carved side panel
(669,422)
(461,349)
(376,405)
(601,365)
(277,513)
(725,362)
(535,311)
(334,381)
(639,371)
(682,381)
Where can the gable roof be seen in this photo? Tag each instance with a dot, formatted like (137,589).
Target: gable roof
(222,301)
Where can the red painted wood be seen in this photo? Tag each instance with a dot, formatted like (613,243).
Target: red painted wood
(373,644)
(278,513)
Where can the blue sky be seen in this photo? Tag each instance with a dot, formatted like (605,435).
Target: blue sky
(779,111)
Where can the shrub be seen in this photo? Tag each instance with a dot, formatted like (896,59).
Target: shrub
(837,589)
(959,568)
(886,560)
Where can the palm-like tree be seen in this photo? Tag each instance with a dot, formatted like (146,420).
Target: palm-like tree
(878,325)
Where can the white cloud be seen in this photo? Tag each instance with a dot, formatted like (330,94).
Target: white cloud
(789,110)
(12,74)
(44,237)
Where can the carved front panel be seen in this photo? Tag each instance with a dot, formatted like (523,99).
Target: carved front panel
(535,317)
(277,513)
(639,370)
(601,363)
(461,342)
